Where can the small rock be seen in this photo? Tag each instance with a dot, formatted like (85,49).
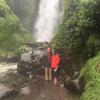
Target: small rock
(61,85)
(30,76)
(25,90)
(15,71)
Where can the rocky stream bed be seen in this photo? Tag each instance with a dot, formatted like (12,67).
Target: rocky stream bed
(17,87)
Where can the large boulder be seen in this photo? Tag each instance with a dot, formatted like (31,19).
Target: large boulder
(4,91)
(30,61)
(74,84)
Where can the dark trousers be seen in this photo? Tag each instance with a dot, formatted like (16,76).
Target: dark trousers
(55,74)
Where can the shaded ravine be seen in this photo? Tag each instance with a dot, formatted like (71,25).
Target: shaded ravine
(38,89)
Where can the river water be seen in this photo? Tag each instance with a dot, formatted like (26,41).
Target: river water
(4,67)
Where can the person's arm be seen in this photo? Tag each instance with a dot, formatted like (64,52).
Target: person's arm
(58,59)
(57,62)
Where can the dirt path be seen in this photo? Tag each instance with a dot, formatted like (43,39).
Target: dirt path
(39,89)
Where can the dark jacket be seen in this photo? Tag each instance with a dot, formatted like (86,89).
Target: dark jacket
(46,61)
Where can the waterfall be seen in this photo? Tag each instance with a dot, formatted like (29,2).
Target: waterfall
(47,20)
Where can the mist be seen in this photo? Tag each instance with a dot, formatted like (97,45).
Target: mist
(47,20)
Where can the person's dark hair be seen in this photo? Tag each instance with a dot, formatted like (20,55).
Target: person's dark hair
(55,51)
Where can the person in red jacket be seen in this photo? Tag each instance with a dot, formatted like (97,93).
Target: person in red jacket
(55,60)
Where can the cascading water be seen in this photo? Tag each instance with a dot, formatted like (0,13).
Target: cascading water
(47,20)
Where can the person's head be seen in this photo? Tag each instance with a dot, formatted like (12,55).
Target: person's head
(53,51)
(48,49)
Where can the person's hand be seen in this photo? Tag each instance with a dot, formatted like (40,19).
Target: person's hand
(42,66)
(55,69)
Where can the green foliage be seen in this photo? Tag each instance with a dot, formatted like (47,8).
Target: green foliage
(12,32)
(26,10)
(91,74)
(14,45)
(79,33)
(78,37)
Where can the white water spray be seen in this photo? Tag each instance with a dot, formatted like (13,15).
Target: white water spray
(49,15)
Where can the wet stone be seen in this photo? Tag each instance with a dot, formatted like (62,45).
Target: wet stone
(25,91)
(4,90)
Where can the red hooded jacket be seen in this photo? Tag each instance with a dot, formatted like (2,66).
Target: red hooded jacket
(55,59)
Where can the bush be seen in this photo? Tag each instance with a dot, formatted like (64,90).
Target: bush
(91,74)
(78,36)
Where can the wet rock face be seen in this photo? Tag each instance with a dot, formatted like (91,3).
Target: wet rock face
(3,90)
(30,61)
(74,84)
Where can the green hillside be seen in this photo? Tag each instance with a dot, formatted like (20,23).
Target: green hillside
(91,74)
(12,32)
(78,36)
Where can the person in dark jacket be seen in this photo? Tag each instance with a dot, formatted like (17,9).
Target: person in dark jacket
(46,62)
